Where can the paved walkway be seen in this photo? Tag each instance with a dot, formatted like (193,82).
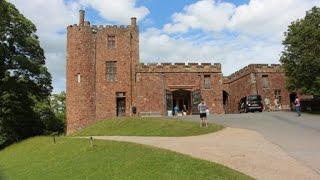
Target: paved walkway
(240,149)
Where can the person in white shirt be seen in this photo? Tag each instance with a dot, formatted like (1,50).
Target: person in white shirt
(202,107)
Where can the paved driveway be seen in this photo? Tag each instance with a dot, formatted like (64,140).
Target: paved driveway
(298,136)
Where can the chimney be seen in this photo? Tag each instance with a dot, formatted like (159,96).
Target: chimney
(81,19)
(133,22)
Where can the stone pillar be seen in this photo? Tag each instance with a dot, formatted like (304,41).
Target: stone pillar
(133,22)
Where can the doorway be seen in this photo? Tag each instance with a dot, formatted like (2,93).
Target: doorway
(225,102)
(121,106)
(182,98)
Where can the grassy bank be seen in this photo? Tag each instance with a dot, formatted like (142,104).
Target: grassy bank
(146,127)
(40,158)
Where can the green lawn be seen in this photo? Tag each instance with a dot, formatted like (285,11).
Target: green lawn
(39,158)
(146,127)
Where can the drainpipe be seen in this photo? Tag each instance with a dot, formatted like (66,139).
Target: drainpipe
(130,108)
(164,95)
(256,84)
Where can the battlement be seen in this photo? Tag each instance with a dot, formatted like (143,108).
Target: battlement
(83,23)
(101,27)
(253,68)
(179,67)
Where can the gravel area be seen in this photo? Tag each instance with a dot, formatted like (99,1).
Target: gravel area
(244,150)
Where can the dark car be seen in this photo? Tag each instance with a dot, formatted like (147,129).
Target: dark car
(250,104)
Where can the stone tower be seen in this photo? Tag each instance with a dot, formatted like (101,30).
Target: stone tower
(101,63)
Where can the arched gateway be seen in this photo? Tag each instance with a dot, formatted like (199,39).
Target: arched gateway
(186,100)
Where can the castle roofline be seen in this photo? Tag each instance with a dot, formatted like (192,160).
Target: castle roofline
(179,67)
(83,23)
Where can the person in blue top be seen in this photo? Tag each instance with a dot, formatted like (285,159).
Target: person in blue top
(176,110)
(202,107)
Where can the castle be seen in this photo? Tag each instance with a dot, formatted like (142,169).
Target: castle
(106,79)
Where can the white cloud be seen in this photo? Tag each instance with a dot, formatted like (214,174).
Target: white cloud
(258,17)
(238,36)
(269,17)
(117,10)
(205,14)
(49,16)
(233,53)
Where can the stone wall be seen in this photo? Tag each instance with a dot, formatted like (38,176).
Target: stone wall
(249,81)
(153,80)
(90,96)
(80,77)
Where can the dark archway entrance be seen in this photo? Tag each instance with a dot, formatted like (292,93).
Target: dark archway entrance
(292,98)
(225,101)
(182,98)
(186,100)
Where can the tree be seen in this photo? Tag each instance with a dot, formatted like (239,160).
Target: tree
(52,123)
(301,55)
(58,105)
(24,79)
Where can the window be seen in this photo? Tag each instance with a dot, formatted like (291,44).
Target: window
(277,94)
(111,70)
(111,41)
(79,77)
(265,82)
(207,82)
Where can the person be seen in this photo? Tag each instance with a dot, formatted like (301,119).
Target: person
(185,108)
(297,105)
(176,110)
(202,107)
(276,104)
(267,102)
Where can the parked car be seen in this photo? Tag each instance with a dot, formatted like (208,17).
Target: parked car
(250,103)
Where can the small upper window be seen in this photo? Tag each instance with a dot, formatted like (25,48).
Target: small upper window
(265,82)
(111,41)
(207,82)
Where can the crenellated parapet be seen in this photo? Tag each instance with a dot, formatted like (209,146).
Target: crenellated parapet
(101,27)
(86,24)
(267,68)
(179,67)
(253,68)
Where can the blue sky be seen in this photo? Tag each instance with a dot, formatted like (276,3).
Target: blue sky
(234,33)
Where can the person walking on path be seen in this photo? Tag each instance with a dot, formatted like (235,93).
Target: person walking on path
(297,105)
(202,107)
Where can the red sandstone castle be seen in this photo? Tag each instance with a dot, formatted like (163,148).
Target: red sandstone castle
(105,79)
